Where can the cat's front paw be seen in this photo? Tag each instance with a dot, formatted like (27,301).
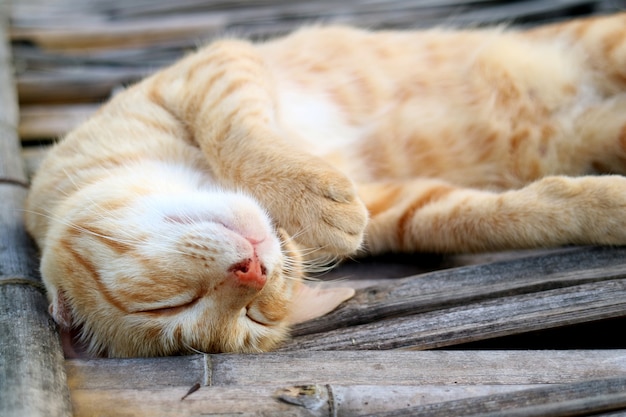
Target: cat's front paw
(341,215)
(320,208)
(584,210)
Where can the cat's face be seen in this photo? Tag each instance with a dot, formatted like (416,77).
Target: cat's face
(180,271)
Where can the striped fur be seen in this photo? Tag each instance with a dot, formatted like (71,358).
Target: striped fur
(327,142)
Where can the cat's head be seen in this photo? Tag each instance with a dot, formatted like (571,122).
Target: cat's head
(139,273)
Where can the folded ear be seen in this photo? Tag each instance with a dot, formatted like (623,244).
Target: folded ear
(311,302)
(60,310)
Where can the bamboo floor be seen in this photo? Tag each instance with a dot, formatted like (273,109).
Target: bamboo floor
(524,333)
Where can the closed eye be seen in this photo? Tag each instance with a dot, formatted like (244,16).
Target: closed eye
(255,317)
(255,321)
(168,311)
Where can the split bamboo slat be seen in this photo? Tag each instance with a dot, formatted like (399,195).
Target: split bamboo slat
(466,304)
(372,356)
(584,398)
(350,383)
(32,375)
(118,42)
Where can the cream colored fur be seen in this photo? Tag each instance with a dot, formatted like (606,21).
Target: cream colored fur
(179,217)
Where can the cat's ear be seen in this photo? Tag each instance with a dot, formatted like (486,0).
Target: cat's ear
(311,302)
(60,310)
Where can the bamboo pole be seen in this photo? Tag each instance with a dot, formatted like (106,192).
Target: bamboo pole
(578,399)
(473,303)
(394,367)
(471,284)
(348,383)
(477,321)
(32,377)
(52,122)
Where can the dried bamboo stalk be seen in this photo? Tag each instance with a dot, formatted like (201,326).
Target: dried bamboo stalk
(395,367)
(81,28)
(578,399)
(32,378)
(327,400)
(51,122)
(121,34)
(461,286)
(326,383)
(478,321)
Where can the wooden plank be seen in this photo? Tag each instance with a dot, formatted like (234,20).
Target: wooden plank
(478,321)
(32,378)
(416,368)
(343,383)
(329,401)
(15,249)
(241,401)
(583,398)
(51,122)
(33,156)
(319,6)
(65,86)
(62,30)
(248,14)
(462,286)
(250,400)
(10,167)
(30,58)
(396,368)
(120,34)
(141,373)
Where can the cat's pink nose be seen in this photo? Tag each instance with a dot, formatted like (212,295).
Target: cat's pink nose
(250,272)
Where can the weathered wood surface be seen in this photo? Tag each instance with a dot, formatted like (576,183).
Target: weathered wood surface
(111,39)
(331,401)
(32,377)
(583,398)
(71,54)
(37,122)
(477,321)
(330,383)
(466,304)
(436,367)
(102,23)
(463,286)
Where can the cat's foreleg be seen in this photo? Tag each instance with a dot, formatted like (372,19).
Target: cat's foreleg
(225,95)
(433,216)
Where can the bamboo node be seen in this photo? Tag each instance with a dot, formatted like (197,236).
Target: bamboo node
(23,281)
(14,181)
(311,397)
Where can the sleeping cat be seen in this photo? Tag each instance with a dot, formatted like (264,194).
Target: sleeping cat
(181,216)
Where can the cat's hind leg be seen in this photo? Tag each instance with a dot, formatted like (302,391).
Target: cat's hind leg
(435,216)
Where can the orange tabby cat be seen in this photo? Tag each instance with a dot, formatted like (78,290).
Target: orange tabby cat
(176,218)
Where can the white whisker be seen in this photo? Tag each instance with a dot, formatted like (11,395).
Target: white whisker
(194,350)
